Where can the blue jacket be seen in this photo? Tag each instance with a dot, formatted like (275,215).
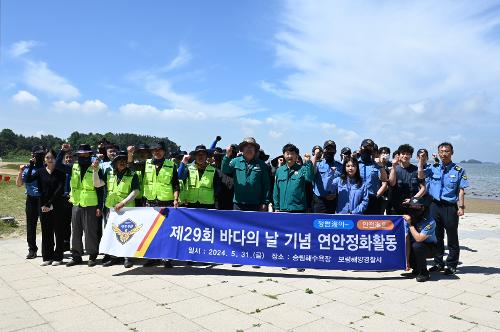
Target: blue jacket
(352,198)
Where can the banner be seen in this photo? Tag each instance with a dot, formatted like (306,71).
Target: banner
(299,240)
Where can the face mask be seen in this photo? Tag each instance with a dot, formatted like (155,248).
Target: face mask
(328,156)
(84,161)
(366,156)
(39,158)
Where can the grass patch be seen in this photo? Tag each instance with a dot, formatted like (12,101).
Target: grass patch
(488,295)
(270,279)
(309,291)
(12,204)
(365,317)
(455,317)
(380,313)
(257,325)
(253,291)
(257,310)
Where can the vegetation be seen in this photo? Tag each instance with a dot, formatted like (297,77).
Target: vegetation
(12,205)
(15,147)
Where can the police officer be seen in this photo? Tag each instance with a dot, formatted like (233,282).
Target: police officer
(32,199)
(161,183)
(251,178)
(403,179)
(289,193)
(326,170)
(374,176)
(201,179)
(122,187)
(447,182)
(86,204)
(421,228)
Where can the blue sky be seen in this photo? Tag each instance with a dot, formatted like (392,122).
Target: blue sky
(418,72)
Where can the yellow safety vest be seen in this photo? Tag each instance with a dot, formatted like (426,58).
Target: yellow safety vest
(158,186)
(117,192)
(200,189)
(82,192)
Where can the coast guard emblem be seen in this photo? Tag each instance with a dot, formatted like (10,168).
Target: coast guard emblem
(126,230)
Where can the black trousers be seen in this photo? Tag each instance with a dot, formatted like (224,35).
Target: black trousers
(446,217)
(53,225)
(32,214)
(322,205)
(419,253)
(66,208)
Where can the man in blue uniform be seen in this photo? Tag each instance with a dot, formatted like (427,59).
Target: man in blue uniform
(326,170)
(446,184)
(421,228)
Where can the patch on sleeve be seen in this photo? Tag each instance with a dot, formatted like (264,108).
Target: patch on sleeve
(458,168)
(464,177)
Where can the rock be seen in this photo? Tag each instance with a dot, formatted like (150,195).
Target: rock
(9,220)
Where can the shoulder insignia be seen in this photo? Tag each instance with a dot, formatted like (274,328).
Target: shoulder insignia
(458,168)
(428,227)
(464,177)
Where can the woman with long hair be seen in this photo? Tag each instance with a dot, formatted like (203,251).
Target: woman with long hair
(351,191)
(51,187)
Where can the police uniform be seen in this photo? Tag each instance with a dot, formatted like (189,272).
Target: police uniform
(421,250)
(326,171)
(370,173)
(444,184)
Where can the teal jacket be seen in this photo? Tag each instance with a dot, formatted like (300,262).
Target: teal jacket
(251,180)
(290,186)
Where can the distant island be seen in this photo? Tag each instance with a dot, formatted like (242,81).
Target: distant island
(471,161)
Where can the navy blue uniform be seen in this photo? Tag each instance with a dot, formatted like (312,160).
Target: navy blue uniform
(444,183)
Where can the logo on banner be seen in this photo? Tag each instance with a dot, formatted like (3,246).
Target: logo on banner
(126,230)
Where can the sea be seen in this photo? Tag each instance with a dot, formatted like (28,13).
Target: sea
(484,180)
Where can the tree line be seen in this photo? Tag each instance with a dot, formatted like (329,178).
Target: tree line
(18,147)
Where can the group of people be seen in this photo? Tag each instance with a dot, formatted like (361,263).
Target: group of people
(73,192)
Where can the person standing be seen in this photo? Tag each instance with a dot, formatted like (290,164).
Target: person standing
(201,179)
(403,179)
(32,199)
(289,194)
(51,187)
(86,205)
(351,192)
(161,184)
(326,170)
(447,182)
(67,206)
(251,178)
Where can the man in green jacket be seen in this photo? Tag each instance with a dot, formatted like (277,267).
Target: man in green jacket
(251,177)
(289,194)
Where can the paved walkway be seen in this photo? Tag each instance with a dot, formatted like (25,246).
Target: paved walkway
(224,298)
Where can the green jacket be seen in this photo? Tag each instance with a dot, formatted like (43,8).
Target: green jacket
(251,180)
(290,186)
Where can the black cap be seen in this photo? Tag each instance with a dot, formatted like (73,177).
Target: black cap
(419,202)
(330,143)
(84,148)
(367,143)
(346,151)
(274,162)
(200,148)
(263,156)
(159,145)
(120,155)
(142,147)
(38,149)
(219,151)
(316,147)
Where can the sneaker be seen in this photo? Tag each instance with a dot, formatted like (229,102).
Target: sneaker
(237,265)
(256,266)
(73,262)
(57,263)
(31,255)
(449,271)
(150,262)
(436,268)
(423,277)
(45,263)
(127,263)
(301,270)
(92,263)
(167,264)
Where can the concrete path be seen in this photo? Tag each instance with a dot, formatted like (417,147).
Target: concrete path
(224,298)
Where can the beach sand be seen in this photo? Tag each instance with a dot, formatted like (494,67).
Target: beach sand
(474,205)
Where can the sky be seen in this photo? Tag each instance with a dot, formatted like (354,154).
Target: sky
(302,72)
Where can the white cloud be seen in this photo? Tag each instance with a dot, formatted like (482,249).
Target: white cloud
(24,97)
(39,76)
(136,110)
(182,58)
(275,134)
(21,47)
(87,107)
